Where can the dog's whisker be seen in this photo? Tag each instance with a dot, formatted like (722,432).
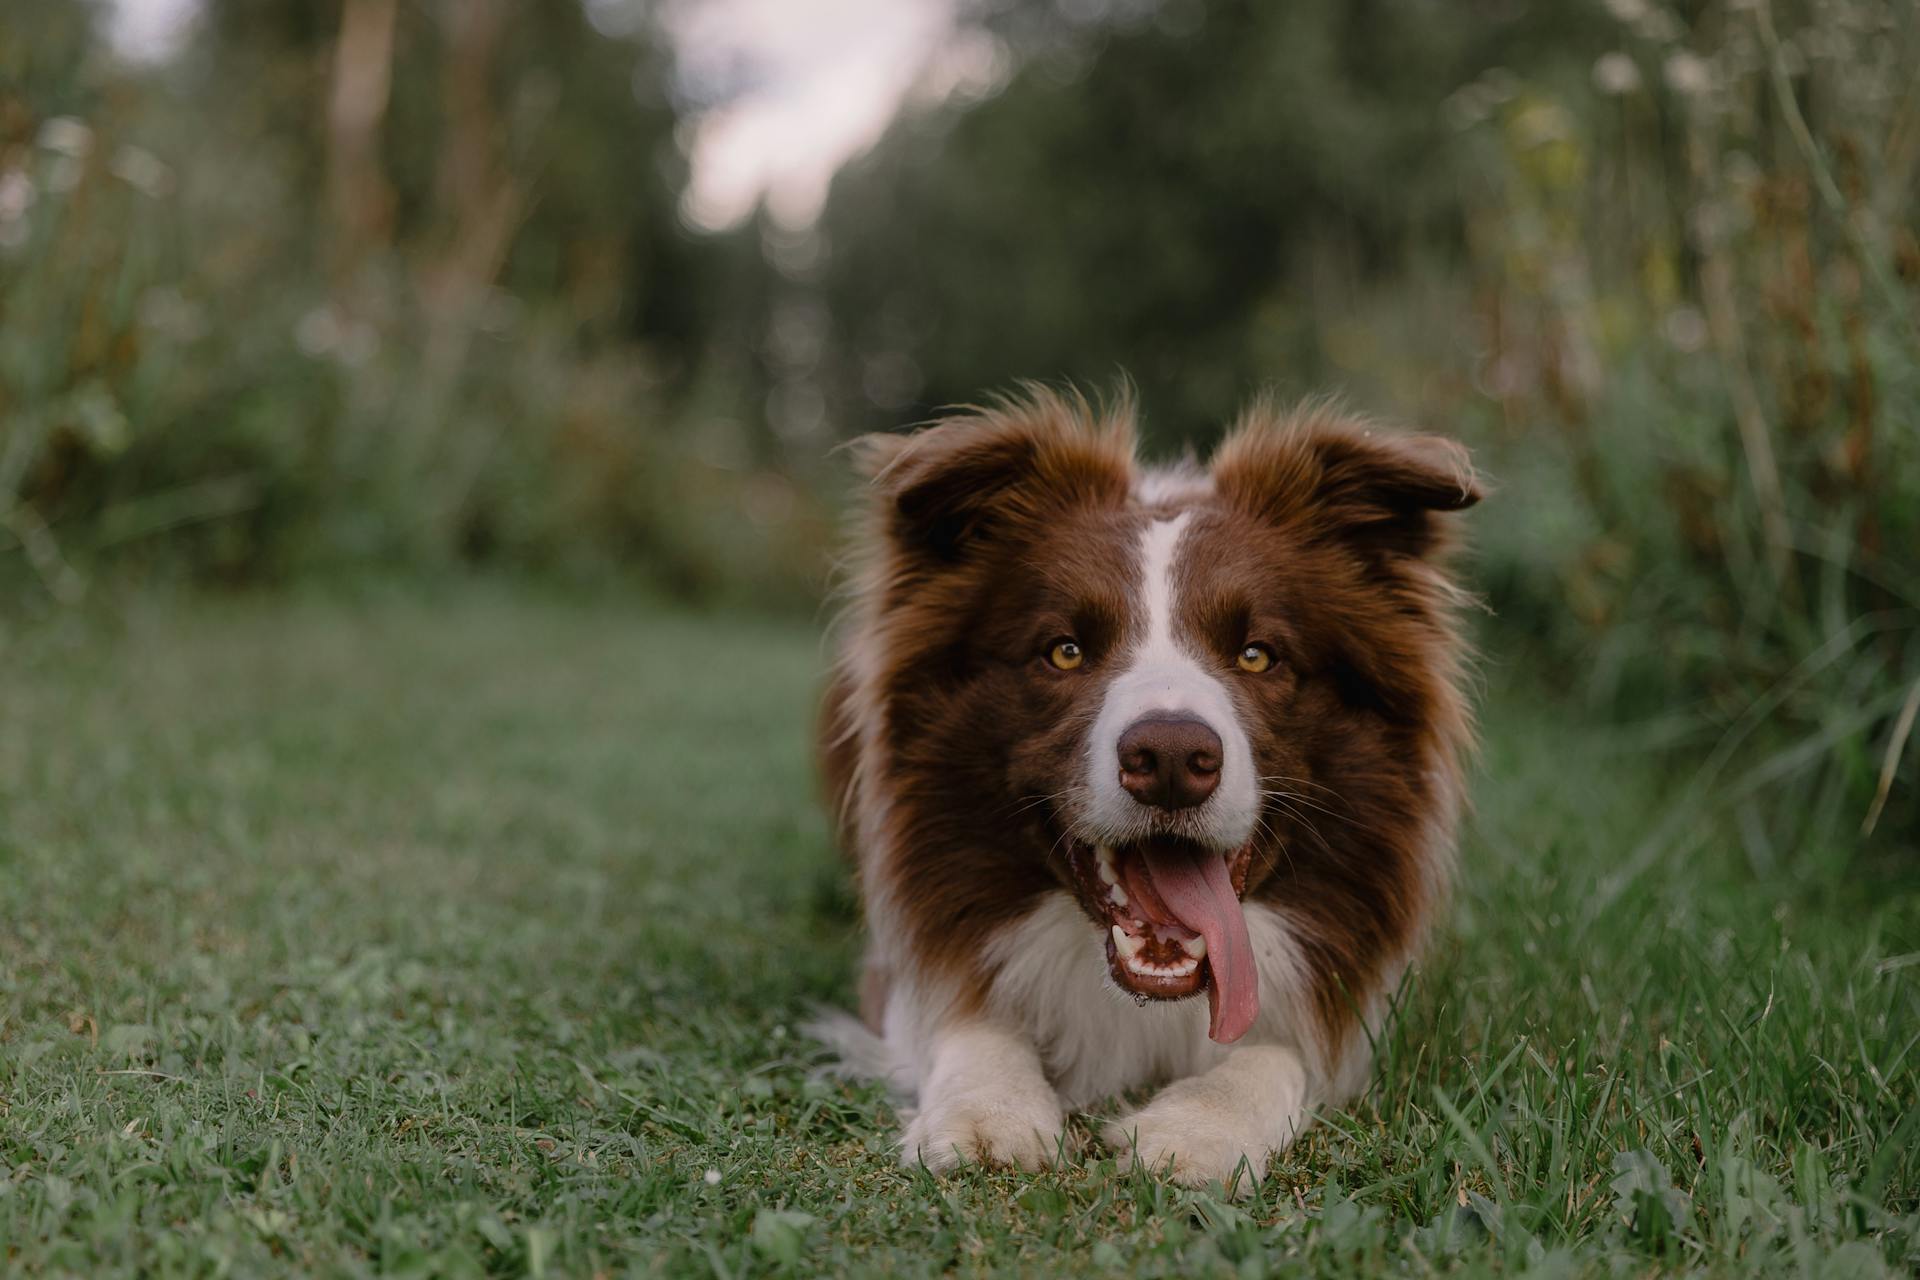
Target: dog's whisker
(1329,791)
(1033,802)
(1305,782)
(1303,820)
(1319,808)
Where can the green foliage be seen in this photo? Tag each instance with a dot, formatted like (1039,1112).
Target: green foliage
(80,261)
(1697,292)
(375,937)
(240,336)
(1183,191)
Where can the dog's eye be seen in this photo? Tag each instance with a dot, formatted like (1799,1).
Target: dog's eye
(1256,658)
(1065,655)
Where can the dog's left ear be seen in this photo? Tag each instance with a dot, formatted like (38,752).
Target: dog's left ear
(1343,477)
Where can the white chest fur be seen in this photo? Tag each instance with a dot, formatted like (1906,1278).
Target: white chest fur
(1095,1042)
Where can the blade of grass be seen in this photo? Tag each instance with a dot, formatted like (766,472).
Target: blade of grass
(1896,745)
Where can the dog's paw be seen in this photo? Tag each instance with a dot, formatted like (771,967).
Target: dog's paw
(1193,1137)
(1220,1127)
(1007,1129)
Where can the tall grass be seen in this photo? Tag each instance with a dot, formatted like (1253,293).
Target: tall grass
(85,326)
(1698,289)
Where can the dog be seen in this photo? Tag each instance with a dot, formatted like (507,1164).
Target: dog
(1149,775)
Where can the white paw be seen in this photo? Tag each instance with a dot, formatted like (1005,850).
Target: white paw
(1010,1128)
(1196,1135)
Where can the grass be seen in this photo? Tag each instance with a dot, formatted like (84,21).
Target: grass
(467,933)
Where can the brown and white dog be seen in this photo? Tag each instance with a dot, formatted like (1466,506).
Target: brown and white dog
(1104,737)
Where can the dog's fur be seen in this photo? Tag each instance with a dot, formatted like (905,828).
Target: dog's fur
(973,781)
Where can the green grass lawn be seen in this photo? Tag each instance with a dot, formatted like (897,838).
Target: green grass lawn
(470,932)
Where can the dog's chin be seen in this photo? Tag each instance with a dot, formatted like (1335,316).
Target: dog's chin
(1150,954)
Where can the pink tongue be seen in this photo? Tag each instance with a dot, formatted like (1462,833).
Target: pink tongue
(1199,893)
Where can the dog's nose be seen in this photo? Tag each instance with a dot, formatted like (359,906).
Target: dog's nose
(1170,762)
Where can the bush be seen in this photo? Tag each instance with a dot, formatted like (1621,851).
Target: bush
(1697,286)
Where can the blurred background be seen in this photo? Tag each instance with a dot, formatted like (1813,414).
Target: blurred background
(589,290)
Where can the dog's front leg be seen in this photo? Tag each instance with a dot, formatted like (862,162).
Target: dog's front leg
(986,1099)
(1201,1128)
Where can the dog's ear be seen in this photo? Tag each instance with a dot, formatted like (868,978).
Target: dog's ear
(1340,476)
(936,487)
(950,486)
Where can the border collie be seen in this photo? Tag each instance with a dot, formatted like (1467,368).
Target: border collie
(1104,738)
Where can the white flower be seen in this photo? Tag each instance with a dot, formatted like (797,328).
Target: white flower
(1685,328)
(66,135)
(317,332)
(17,195)
(142,170)
(1616,73)
(1627,10)
(167,312)
(1688,73)
(325,332)
(712,1177)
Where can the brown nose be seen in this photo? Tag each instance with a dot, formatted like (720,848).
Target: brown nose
(1170,762)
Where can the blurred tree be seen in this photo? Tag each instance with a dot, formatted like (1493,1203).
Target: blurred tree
(508,142)
(1148,192)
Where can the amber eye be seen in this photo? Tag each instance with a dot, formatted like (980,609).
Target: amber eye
(1256,658)
(1065,655)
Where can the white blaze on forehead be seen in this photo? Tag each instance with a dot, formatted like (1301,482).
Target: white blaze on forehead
(1161,675)
(1157,546)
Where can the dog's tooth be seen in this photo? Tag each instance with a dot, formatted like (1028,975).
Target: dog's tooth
(1116,895)
(1128,945)
(1103,863)
(1196,946)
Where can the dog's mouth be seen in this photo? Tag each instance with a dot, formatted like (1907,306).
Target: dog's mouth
(1175,926)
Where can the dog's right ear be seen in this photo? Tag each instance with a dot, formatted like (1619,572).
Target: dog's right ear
(943,489)
(936,487)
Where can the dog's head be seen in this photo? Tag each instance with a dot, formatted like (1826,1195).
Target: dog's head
(1158,688)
